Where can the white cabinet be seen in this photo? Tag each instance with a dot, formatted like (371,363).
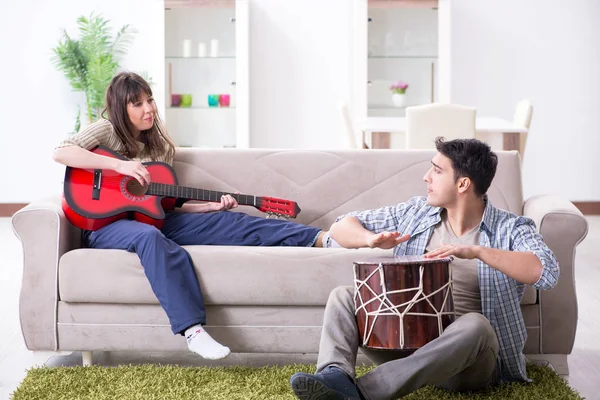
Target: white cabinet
(402,46)
(396,41)
(206,65)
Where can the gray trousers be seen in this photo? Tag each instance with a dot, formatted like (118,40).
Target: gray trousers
(463,358)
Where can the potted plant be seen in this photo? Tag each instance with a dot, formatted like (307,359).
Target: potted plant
(398,93)
(90,62)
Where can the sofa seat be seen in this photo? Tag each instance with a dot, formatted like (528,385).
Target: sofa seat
(304,276)
(280,275)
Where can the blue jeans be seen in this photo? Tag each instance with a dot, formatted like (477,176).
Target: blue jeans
(169,267)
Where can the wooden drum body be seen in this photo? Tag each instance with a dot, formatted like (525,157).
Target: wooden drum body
(402,302)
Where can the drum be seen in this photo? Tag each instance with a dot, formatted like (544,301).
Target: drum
(402,302)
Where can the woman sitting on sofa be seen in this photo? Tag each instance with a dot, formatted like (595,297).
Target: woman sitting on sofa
(131,127)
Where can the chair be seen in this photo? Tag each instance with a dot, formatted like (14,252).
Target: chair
(522,119)
(426,122)
(347,124)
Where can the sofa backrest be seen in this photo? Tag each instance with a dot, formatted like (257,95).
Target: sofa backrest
(329,183)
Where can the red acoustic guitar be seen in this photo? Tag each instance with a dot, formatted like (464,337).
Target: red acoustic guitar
(93,199)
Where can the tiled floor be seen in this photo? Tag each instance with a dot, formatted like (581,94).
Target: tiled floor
(584,363)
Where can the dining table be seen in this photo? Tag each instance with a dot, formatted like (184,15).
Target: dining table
(381,129)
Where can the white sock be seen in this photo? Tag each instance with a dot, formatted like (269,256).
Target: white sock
(200,342)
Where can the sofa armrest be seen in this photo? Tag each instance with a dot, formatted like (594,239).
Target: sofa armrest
(563,227)
(45,235)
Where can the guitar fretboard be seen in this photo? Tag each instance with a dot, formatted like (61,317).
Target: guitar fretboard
(163,189)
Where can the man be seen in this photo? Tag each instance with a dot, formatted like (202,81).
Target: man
(495,254)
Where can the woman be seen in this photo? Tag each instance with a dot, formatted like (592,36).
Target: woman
(131,127)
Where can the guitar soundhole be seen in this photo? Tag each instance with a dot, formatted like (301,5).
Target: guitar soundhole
(132,189)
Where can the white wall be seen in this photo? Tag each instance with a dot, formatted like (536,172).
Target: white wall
(549,52)
(300,65)
(37,106)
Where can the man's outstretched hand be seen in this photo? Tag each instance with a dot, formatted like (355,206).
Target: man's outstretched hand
(458,250)
(386,240)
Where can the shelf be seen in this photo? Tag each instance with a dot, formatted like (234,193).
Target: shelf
(199,4)
(200,108)
(400,57)
(433,4)
(201,58)
(386,108)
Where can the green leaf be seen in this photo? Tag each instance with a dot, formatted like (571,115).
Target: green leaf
(122,41)
(90,62)
(144,74)
(101,70)
(78,120)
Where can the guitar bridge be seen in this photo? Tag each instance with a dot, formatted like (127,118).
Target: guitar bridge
(97,183)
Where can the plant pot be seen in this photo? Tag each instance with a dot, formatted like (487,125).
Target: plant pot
(399,100)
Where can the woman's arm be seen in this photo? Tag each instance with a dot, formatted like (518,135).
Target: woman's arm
(77,157)
(227,202)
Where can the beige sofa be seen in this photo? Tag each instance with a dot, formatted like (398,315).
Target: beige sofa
(264,300)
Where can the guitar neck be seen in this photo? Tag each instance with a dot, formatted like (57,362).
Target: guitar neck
(189,193)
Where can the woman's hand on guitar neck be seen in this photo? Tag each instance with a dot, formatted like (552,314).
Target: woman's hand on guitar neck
(227,203)
(135,169)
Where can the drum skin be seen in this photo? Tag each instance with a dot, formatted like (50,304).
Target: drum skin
(385,327)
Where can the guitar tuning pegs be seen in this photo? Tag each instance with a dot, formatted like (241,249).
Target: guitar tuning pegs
(271,214)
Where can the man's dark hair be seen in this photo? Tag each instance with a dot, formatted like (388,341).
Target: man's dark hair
(470,158)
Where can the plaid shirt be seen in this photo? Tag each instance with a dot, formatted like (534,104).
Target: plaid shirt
(500,294)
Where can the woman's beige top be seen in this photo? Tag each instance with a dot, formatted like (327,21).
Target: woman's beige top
(102,133)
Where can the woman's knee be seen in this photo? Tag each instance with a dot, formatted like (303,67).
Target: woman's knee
(147,234)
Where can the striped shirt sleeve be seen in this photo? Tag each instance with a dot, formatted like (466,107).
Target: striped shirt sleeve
(96,134)
(384,219)
(524,237)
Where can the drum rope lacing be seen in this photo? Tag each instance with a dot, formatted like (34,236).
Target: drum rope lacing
(387,308)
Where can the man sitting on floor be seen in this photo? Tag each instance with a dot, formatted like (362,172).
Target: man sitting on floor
(495,254)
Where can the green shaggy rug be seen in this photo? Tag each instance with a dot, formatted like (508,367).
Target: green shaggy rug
(154,382)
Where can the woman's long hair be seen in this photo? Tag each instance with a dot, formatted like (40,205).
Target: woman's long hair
(125,88)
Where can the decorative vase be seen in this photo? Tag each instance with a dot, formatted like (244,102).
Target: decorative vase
(186,100)
(399,99)
(213,100)
(224,100)
(175,100)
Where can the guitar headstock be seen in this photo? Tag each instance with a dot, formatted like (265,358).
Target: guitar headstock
(278,207)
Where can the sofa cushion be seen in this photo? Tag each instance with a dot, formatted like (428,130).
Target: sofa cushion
(279,275)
